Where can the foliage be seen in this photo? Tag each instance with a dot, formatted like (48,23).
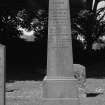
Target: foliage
(88,27)
(20,24)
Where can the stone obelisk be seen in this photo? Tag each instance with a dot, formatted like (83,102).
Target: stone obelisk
(60,87)
(2,71)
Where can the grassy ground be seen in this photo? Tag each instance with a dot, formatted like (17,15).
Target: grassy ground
(23,93)
(29,93)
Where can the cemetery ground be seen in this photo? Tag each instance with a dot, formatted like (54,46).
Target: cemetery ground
(30,92)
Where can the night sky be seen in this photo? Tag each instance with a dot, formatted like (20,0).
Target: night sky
(27,60)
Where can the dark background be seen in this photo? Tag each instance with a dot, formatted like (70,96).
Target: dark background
(28,60)
(24,60)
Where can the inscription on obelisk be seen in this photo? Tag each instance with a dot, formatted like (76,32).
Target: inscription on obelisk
(2,56)
(59,61)
(60,87)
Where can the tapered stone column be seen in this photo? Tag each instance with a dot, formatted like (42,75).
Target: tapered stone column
(2,71)
(59,87)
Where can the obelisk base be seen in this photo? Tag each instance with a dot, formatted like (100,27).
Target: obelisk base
(60,102)
(60,91)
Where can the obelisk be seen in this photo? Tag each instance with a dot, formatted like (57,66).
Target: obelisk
(2,71)
(59,87)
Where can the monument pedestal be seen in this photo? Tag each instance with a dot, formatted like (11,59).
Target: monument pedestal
(60,91)
(60,102)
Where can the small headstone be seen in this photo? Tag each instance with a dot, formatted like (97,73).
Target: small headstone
(2,71)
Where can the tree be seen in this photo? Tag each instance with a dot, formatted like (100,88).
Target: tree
(88,27)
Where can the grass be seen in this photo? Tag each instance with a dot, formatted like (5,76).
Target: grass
(29,93)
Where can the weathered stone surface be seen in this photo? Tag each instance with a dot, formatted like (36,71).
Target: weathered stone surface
(2,56)
(63,88)
(59,59)
(59,87)
(80,74)
(60,102)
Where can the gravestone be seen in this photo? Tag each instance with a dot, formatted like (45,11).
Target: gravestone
(2,70)
(60,86)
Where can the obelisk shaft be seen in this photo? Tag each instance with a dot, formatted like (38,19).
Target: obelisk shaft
(59,88)
(59,61)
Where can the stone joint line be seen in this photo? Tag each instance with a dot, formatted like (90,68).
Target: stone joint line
(61,98)
(59,78)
